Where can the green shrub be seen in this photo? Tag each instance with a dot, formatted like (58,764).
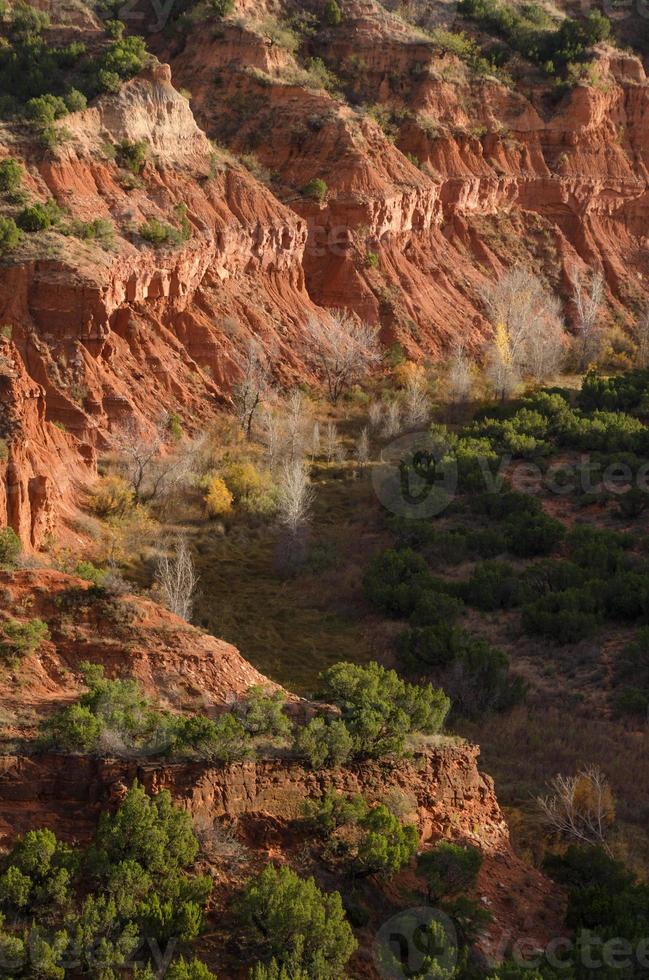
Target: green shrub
(481,680)
(395,580)
(386,845)
(222,8)
(625,596)
(224,740)
(39,217)
(108,81)
(90,573)
(324,743)
(368,839)
(533,34)
(21,639)
(423,647)
(114,717)
(493,585)
(599,552)
(529,535)
(625,392)
(126,57)
(45,109)
(11,175)
(332,14)
(633,503)
(605,903)
(449,868)
(10,235)
(75,100)
(132,156)
(631,675)
(10,547)
(262,712)
(100,229)
(194,969)
(509,503)
(159,233)
(549,575)
(135,880)
(380,709)
(434,607)
(75,729)
(316,189)
(565,617)
(291,917)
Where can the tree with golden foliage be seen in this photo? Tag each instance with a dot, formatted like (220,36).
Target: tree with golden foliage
(218,499)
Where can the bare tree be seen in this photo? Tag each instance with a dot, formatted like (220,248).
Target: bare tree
(417,400)
(139,450)
(363,448)
(343,349)
(295,496)
(460,376)
(150,469)
(580,807)
(331,441)
(176,578)
(271,428)
(588,296)
(641,358)
(529,337)
(297,425)
(375,415)
(391,420)
(251,388)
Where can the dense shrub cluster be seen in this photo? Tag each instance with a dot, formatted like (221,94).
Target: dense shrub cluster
(531,32)
(297,929)
(365,839)
(627,392)
(114,718)
(378,711)
(605,902)
(45,82)
(61,904)
(475,674)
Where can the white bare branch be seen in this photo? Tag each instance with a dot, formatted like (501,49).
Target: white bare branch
(580,807)
(588,296)
(343,350)
(176,578)
(295,496)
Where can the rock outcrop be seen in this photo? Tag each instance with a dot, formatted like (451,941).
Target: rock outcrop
(450,799)
(174,663)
